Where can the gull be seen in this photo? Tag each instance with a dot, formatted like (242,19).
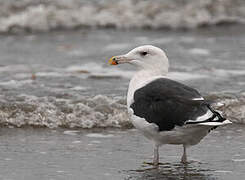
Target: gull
(163,110)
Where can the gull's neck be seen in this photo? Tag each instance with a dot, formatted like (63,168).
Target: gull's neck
(144,75)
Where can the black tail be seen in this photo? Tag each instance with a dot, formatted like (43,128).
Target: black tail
(215,114)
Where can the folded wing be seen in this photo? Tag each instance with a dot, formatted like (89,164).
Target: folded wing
(168,103)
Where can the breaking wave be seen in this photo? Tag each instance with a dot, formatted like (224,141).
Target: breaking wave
(232,105)
(96,112)
(89,112)
(46,15)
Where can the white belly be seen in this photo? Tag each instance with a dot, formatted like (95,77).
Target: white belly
(187,134)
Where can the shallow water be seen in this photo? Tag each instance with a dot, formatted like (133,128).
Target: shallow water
(28,153)
(77,61)
(62,79)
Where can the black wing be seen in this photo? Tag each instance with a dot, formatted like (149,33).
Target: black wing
(168,103)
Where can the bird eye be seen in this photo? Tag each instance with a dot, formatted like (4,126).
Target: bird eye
(143,53)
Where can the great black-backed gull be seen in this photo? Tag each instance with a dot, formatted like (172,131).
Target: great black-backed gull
(165,111)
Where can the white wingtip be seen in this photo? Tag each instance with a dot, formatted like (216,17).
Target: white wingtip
(227,122)
(216,123)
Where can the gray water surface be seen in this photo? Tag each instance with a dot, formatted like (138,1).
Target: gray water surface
(60,154)
(210,60)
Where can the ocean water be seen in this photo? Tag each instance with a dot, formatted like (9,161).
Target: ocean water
(62,78)
(63,108)
(46,15)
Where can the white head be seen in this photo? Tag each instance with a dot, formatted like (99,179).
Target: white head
(147,57)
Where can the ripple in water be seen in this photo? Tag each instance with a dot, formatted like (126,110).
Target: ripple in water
(169,171)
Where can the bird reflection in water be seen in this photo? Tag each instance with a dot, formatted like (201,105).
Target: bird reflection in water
(171,171)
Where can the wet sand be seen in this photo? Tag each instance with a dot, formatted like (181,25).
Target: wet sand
(30,153)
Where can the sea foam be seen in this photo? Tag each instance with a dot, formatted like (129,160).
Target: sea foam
(90,112)
(45,15)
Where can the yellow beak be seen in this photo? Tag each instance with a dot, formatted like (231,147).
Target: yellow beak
(113,61)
